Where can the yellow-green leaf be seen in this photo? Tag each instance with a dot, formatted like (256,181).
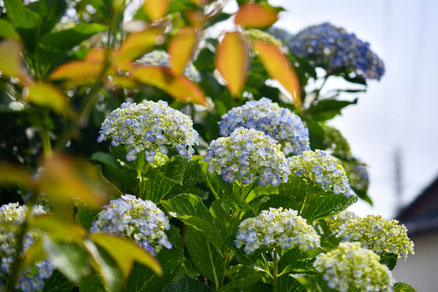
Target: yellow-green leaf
(232,61)
(254,15)
(179,86)
(65,180)
(58,228)
(47,95)
(13,175)
(181,48)
(125,252)
(34,254)
(139,43)
(11,63)
(279,68)
(156,9)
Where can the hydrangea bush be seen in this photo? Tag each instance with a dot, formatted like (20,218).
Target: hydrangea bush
(156,175)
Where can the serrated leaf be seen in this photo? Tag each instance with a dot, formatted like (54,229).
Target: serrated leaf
(204,256)
(207,228)
(57,283)
(289,284)
(71,260)
(156,9)
(45,94)
(91,284)
(186,285)
(279,68)
(125,252)
(243,278)
(256,15)
(144,279)
(187,205)
(182,48)
(402,287)
(389,259)
(327,109)
(232,61)
(178,86)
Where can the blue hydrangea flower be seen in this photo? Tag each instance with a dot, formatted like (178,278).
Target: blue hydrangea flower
(336,50)
(149,127)
(268,117)
(323,169)
(245,155)
(31,279)
(276,228)
(351,266)
(136,219)
(162,58)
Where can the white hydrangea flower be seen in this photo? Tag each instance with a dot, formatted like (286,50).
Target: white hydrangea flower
(323,169)
(162,58)
(149,127)
(246,154)
(378,234)
(276,228)
(31,279)
(271,119)
(136,219)
(350,266)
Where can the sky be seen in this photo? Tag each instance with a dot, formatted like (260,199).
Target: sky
(399,113)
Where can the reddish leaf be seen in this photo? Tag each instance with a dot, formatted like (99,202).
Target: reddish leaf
(11,63)
(196,17)
(181,48)
(232,61)
(179,86)
(279,67)
(156,9)
(255,15)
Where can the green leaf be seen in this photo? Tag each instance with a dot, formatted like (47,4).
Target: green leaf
(295,259)
(7,30)
(327,109)
(50,11)
(207,228)
(288,284)
(402,287)
(86,217)
(186,285)
(187,205)
(389,259)
(243,278)
(91,284)
(204,255)
(25,21)
(57,283)
(71,260)
(106,159)
(144,279)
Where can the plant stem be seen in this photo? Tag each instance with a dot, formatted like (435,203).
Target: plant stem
(318,91)
(45,138)
(275,275)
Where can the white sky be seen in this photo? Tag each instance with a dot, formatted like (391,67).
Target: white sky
(401,111)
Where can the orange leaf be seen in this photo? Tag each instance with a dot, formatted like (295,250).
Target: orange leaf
(48,95)
(279,67)
(196,18)
(156,9)
(11,63)
(181,48)
(139,43)
(255,15)
(81,71)
(232,61)
(179,86)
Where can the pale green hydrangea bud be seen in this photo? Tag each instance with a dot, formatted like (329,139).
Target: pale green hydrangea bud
(351,266)
(160,160)
(378,234)
(276,228)
(323,169)
(335,222)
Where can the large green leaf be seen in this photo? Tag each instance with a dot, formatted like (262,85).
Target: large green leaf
(296,259)
(57,283)
(287,283)
(91,284)
(71,260)
(143,279)
(187,205)
(50,11)
(243,278)
(86,217)
(204,255)
(403,287)
(327,109)
(25,21)
(186,285)
(7,30)
(389,259)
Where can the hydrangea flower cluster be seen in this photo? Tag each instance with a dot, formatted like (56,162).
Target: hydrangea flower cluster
(350,265)
(162,58)
(136,219)
(149,127)
(282,35)
(336,143)
(257,34)
(322,168)
(268,117)
(275,228)
(32,278)
(358,175)
(246,154)
(336,222)
(336,50)
(378,234)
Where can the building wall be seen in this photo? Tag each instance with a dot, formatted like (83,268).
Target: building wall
(421,270)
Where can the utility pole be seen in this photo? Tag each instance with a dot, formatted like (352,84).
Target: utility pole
(398,181)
